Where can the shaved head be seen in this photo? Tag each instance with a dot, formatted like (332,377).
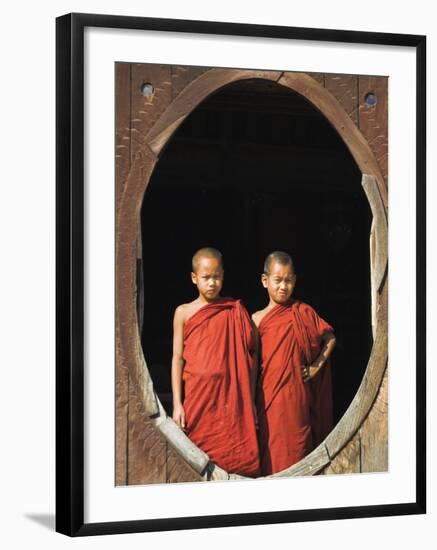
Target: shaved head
(206,252)
(277,257)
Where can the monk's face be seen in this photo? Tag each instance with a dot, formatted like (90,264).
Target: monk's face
(279,282)
(208,278)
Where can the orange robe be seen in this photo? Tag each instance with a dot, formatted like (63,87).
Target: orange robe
(293,416)
(218,404)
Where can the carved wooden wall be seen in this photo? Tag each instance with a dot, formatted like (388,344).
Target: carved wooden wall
(148,450)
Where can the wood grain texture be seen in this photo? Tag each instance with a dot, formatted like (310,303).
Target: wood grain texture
(369,387)
(348,460)
(126,283)
(378,242)
(373,120)
(374,433)
(145,111)
(147,448)
(122,126)
(191,96)
(121,417)
(318,77)
(373,285)
(188,451)
(122,166)
(182,76)
(310,465)
(215,473)
(345,89)
(177,470)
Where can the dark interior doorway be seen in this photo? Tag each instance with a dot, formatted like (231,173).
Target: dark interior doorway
(256,168)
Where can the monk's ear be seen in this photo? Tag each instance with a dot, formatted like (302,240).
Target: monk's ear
(264,280)
(193,278)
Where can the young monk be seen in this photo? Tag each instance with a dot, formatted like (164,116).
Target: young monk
(213,371)
(294,396)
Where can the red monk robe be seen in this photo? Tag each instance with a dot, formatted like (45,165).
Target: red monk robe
(218,402)
(294,416)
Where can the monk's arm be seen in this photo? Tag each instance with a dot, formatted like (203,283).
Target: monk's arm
(328,345)
(177,367)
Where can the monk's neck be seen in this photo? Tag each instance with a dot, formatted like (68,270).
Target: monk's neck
(273,304)
(202,300)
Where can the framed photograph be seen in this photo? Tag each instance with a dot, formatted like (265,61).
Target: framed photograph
(232,346)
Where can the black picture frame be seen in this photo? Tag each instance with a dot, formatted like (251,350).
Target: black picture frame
(70,273)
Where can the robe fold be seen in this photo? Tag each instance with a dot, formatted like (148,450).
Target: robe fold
(218,340)
(293,416)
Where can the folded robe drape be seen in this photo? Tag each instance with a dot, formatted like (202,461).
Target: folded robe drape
(293,416)
(218,404)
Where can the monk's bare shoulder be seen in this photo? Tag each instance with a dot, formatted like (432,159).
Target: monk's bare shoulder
(185,311)
(181,312)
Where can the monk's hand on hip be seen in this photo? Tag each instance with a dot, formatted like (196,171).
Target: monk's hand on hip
(308,372)
(179,416)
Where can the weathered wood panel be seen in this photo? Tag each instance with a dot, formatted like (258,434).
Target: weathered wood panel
(367,451)
(188,451)
(319,77)
(373,120)
(147,110)
(374,434)
(192,95)
(345,89)
(147,449)
(310,465)
(348,460)
(122,166)
(374,125)
(182,76)
(369,387)
(121,418)
(122,126)
(177,470)
(126,253)
(378,243)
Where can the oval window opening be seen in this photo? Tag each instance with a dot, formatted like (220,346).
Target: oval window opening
(257,168)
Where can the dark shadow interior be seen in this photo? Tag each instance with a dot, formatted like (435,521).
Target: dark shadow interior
(256,168)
